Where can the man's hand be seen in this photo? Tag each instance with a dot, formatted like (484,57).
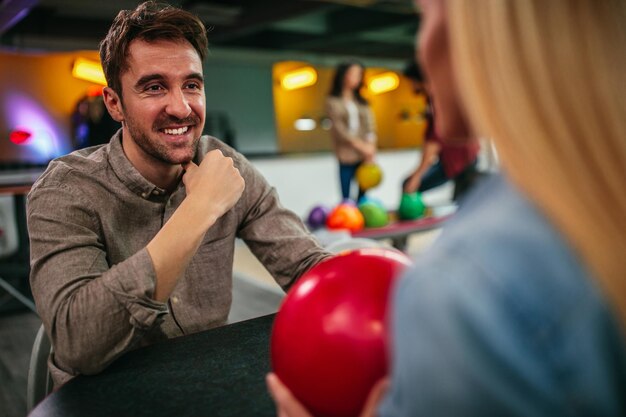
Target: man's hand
(412,184)
(288,406)
(215,184)
(213,188)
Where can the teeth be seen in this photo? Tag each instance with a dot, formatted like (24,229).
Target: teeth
(178,131)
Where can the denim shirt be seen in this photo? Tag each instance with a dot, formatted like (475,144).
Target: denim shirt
(500,317)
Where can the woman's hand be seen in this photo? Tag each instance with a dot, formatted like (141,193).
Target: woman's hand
(288,406)
(369,152)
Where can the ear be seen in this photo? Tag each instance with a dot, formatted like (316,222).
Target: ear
(113,103)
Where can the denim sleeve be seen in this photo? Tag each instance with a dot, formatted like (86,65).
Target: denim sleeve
(92,312)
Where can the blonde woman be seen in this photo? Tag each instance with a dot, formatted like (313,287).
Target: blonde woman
(520,307)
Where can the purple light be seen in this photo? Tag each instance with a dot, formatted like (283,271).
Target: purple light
(26,114)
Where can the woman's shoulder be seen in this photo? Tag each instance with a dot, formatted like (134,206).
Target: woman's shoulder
(500,228)
(335,105)
(501,286)
(502,252)
(334,101)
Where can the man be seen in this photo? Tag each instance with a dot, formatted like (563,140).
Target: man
(441,161)
(133,241)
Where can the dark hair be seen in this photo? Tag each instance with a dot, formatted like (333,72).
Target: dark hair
(150,21)
(340,75)
(413,71)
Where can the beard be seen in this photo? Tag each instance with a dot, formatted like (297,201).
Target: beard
(169,153)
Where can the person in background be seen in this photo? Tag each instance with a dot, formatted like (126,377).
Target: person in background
(519,308)
(353,129)
(133,241)
(452,159)
(91,123)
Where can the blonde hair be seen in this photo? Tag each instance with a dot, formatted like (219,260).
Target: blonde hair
(546,79)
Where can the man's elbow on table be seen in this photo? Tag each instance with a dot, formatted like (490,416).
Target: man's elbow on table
(81,357)
(79,363)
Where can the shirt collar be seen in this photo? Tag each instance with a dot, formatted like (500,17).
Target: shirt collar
(127,173)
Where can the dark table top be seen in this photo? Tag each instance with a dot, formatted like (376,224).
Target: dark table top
(219,372)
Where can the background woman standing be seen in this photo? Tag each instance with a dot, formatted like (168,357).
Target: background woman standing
(353,126)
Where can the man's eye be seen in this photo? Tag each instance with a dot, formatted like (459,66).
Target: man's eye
(193,86)
(155,87)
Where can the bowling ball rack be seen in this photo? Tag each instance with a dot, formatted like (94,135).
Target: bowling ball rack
(399,230)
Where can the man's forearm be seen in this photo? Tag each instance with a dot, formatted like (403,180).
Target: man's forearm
(429,157)
(173,247)
(213,188)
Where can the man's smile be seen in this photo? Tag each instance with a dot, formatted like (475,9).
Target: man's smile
(176,131)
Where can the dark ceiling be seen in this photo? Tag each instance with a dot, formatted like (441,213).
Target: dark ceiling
(383,29)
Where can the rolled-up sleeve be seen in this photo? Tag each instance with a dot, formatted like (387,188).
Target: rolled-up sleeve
(276,235)
(93,311)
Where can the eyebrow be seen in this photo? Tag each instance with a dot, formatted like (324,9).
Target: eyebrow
(158,77)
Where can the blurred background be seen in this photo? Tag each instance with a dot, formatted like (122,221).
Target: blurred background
(49,106)
(267,75)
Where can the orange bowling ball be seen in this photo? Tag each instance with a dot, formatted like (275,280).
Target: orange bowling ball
(329,342)
(345,216)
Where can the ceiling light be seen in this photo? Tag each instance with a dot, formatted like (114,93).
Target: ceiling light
(302,77)
(383,83)
(89,70)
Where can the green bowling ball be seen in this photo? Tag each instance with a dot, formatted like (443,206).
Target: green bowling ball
(373,214)
(411,206)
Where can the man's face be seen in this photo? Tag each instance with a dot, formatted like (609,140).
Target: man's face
(162,108)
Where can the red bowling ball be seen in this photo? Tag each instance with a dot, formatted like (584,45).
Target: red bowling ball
(329,343)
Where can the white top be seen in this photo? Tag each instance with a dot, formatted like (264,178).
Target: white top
(353,116)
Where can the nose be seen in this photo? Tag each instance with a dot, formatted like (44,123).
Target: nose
(178,105)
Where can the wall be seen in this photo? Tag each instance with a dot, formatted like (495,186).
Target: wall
(306,102)
(243,93)
(38,93)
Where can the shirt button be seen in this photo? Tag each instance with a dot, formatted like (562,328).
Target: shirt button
(175,300)
(144,195)
(156,192)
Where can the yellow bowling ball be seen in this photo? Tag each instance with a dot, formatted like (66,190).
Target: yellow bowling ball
(368,175)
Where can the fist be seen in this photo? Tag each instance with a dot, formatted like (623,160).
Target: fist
(216,184)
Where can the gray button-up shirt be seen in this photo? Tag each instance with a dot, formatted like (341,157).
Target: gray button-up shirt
(90,217)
